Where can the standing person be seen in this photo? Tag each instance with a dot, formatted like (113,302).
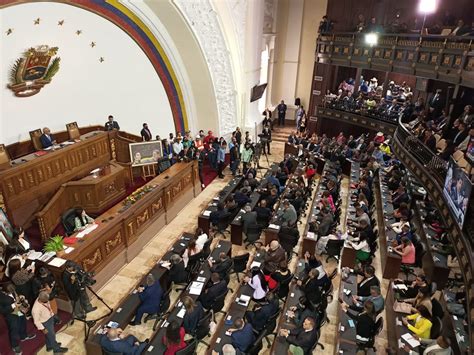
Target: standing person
(303,123)
(200,161)
(43,317)
(266,138)
(76,291)
(247,154)
(299,114)
(281,113)
(221,159)
(234,156)
(267,120)
(14,313)
(45,281)
(111,124)
(145,133)
(238,135)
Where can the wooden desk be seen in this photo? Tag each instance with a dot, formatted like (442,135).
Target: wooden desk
(348,257)
(32,180)
(94,194)
(280,346)
(156,344)
(231,187)
(123,231)
(393,262)
(290,149)
(219,339)
(270,234)
(346,333)
(455,330)
(127,307)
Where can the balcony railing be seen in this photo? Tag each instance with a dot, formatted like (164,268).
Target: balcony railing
(446,58)
(431,171)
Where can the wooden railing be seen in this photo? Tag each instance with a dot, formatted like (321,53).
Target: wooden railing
(446,58)
(431,171)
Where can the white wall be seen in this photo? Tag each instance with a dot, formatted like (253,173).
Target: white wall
(84,90)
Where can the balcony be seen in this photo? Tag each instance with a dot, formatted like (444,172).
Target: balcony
(449,59)
(431,171)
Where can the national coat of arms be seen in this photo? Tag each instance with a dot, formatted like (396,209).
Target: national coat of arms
(34,70)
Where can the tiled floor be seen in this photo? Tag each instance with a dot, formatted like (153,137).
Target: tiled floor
(72,336)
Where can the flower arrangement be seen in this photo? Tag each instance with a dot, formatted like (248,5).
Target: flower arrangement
(138,194)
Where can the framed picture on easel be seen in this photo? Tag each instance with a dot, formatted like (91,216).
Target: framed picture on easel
(5,226)
(145,153)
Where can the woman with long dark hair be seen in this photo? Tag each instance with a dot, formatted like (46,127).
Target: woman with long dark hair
(258,283)
(19,239)
(82,219)
(174,338)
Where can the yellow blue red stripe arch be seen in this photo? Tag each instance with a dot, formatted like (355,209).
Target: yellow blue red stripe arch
(125,19)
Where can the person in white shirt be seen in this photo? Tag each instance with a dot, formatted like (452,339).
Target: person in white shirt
(20,239)
(438,346)
(191,250)
(258,283)
(201,238)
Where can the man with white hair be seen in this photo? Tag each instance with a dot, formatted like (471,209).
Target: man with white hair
(274,255)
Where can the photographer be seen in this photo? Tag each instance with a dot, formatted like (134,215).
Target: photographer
(266,138)
(75,281)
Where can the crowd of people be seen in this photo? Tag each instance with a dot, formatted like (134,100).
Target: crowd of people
(447,26)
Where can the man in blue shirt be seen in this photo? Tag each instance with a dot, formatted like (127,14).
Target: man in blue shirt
(115,342)
(47,139)
(242,335)
(221,159)
(150,298)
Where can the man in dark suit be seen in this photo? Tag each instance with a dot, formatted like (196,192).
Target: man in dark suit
(116,342)
(47,139)
(304,337)
(215,288)
(145,133)
(16,321)
(242,335)
(436,104)
(221,265)
(327,219)
(281,113)
(259,317)
(249,218)
(263,213)
(369,280)
(218,215)
(177,271)
(293,139)
(430,140)
(150,298)
(110,125)
(265,139)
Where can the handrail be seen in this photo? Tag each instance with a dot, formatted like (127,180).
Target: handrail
(409,35)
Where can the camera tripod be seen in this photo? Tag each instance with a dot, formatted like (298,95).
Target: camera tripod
(89,324)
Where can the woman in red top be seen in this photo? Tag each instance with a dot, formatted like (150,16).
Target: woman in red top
(272,284)
(310,172)
(174,338)
(327,201)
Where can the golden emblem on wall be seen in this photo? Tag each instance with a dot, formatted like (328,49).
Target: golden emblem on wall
(34,70)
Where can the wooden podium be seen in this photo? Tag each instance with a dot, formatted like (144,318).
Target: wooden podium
(94,193)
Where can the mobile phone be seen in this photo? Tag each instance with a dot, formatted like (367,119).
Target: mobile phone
(351,323)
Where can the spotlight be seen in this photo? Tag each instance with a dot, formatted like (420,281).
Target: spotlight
(371,38)
(427,6)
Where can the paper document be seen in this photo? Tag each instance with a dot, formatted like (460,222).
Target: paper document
(310,235)
(201,279)
(273,226)
(400,286)
(196,288)
(33,255)
(206,213)
(402,307)
(68,250)
(410,340)
(255,264)
(244,300)
(57,262)
(181,313)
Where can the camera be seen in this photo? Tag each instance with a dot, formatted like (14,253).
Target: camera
(84,278)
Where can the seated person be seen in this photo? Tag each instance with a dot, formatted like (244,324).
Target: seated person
(413,286)
(312,262)
(271,282)
(221,266)
(287,215)
(220,214)
(20,240)
(369,279)
(249,218)
(281,275)
(438,346)
(81,220)
(177,271)
(242,335)
(174,338)
(274,254)
(361,245)
(115,341)
(194,313)
(301,311)
(150,298)
(422,322)
(423,298)
(263,213)
(47,139)
(326,221)
(191,250)
(375,297)
(261,313)
(407,251)
(215,287)
(304,337)
(201,237)
(257,281)
(365,321)
(310,287)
